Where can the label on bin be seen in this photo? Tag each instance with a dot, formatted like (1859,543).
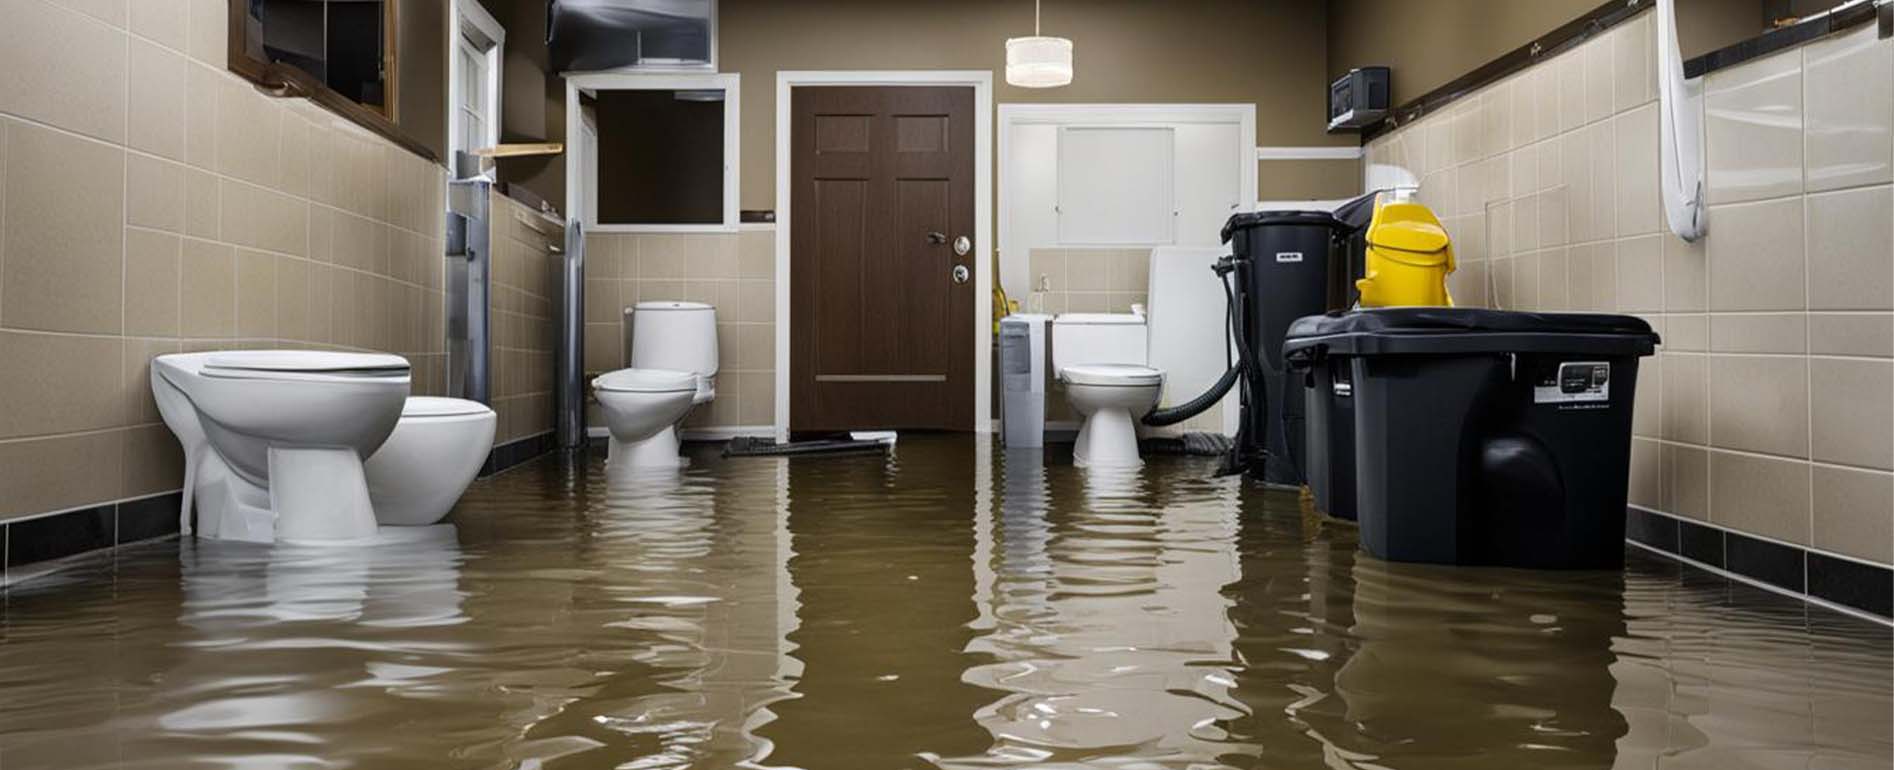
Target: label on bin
(1288,256)
(1574,382)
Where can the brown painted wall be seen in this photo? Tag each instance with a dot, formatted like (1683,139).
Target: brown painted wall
(421,72)
(1430,43)
(1270,53)
(532,100)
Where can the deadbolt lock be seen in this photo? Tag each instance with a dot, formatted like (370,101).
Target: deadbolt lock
(961,273)
(962,246)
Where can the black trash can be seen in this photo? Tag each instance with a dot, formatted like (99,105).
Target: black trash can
(1485,437)
(1329,466)
(1286,269)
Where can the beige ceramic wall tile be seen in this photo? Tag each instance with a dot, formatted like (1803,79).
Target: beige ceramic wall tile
(1640,275)
(64,232)
(1687,332)
(140,407)
(1686,275)
(1760,404)
(1851,249)
(1600,78)
(603,348)
(1634,59)
(208,290)
(68,70)
(58,383)
(1852,412)
(165,22)
(1854,512)
(156,101)
(1554,279)
(1759,332)
(1575,170)
(1686,490)
(153,462)
(1851,334)
(249,132)
(1647,413)
(1635,134)
(1496,121)
(151,283)
(1602,150)
(154,193)
(292,302)
(47,474)
(201,85)
(208,40)
(1570,67)
(602,303)
(1763,495)
(1686,398)
(1756,256)
(1647,473)
(1849,88)
(1753,129)
(756,254)
(202,204)
(271,221)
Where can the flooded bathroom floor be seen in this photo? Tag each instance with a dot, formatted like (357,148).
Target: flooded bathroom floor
(943,607)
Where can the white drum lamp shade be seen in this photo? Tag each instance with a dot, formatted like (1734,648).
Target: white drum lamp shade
(1038,62)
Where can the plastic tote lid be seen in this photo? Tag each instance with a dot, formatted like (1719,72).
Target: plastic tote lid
(1249,219)
(1456,330)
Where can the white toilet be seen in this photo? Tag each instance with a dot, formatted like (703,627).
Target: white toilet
(274,439)
(1101,360)
(673,368)
(418,474)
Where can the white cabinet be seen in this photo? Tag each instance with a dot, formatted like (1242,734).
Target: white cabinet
(1115,185)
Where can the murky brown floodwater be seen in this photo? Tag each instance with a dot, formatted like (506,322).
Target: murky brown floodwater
(945,607)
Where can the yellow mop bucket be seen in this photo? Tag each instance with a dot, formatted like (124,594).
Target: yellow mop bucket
(1409,257)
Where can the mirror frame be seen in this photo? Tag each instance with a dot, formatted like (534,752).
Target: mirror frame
(286,80)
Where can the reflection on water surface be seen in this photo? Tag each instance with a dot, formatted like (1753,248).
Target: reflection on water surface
(948,606)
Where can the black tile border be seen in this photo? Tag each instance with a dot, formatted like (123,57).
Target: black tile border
(1596,22)
(41,539)
(1839,582)
(512,454)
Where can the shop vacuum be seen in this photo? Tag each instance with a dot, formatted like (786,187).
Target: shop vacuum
(1453,435)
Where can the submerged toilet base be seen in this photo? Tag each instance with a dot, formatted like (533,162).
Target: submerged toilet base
(660,450)
(1109,438)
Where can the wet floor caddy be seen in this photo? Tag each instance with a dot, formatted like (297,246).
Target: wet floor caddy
(1480,437)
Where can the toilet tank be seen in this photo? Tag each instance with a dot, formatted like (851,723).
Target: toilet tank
(1097,338)
(681,336)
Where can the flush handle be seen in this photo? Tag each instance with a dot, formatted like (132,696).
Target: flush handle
(961,274)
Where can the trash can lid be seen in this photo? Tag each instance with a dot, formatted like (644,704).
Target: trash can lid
(1248,219)
(1450,330)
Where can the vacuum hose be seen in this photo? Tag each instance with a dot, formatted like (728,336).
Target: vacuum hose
(1158,418)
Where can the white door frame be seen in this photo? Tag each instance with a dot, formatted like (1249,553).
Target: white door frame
(1240,113)
(982,83)
(471,13)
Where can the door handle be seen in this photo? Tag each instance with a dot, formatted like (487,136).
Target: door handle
(936,238)
(961,274)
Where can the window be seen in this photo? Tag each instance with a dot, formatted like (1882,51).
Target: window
(665,152)
(474,89)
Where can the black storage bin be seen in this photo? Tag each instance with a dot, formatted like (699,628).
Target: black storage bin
(1285,265)
(1483,436)
(1329,466)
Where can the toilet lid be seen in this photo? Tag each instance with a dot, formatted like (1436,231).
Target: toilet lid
(300,364)
(646,381)
(435,406)
(1122,375)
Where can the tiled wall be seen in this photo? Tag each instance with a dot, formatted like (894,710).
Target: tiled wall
(733,271)
(522,324)
(1770,408)
(151,202)
(1088,280)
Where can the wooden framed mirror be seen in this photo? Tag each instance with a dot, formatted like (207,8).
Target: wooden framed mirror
(342,54)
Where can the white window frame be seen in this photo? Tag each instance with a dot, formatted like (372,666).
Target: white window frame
(470,14)
(576,162)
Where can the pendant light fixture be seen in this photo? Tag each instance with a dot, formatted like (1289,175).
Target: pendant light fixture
(1038,61)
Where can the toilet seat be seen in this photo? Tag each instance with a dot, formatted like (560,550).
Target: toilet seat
(646,381)
(1112,375)
(304,365)
(426,407)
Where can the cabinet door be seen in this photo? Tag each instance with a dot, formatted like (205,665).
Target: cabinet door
(1115,186)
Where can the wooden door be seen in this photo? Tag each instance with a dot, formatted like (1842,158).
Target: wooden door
(881,332)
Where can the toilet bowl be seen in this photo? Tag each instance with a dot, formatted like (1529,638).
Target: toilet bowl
(642,408)
(1110,398)
(436,449)
(1100,359)
(673,367)
(274,439)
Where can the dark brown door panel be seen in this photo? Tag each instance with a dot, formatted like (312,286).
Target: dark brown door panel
(881,185)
